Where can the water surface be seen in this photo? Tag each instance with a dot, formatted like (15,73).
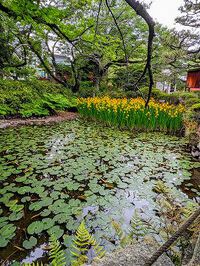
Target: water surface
(54,176)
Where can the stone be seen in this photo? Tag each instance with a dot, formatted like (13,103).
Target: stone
(133,255)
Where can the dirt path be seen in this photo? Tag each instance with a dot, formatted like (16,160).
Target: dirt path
(61,116)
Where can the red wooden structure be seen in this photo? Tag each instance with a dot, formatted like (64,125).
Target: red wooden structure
(193,80)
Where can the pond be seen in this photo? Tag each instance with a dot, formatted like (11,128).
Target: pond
(54,176)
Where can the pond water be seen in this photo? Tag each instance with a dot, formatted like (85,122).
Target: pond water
(54,176)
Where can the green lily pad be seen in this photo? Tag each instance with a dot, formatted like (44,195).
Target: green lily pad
(29,244)
(15,216)
(56,230)
(7,232)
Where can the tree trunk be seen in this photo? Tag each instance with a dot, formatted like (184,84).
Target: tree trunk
(97,82)
(76,86)
(141,11)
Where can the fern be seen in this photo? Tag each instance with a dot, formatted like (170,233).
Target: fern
(138,227)
(56,253)
(33,264)
(82,243)
(161,187)
(123,238)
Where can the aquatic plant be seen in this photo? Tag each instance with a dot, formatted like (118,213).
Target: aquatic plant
(57,255)
(132,114)
(51,175)
(82,243)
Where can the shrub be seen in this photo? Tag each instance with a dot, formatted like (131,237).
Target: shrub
(35,108)
(5,110)
(196,107)
(33,98)
(57,101)
(191,101)
(85,92)
(174,98)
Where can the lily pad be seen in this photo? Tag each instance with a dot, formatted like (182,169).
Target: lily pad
(29,244)
(56,230)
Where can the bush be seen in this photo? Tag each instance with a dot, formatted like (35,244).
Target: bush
(35,108)
(5,110)
(33,98)
(196,107)
(192,101)
(57,101)
(86,90)
(187,98)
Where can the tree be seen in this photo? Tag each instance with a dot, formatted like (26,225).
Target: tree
(13,52)
(142,12)
(40,17)
(113,45)
(190,13)
(190,17)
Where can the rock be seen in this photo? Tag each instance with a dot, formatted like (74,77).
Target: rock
(194,144)
(133,255)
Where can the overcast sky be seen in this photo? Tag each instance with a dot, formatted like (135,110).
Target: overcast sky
(165,11)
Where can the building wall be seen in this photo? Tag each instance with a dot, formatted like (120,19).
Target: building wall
(193,80)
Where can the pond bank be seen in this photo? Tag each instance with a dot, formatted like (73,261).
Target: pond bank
(133,255)
(59,117)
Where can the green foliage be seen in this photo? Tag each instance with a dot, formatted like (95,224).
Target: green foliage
(195,107)
(173,214)
(57,255)
(132,114)
(124,239)
(29,244)
(7,232)
(138,230)
(86,89)
(33,264)
(35,108)
(5,110)
(82,243)
(138,227)
(58,101)
(33,98)
(187,98)
(191,101)
(52,164)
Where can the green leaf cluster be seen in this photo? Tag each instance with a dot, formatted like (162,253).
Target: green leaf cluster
(33,98)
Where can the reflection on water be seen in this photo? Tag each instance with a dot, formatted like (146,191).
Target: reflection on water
(72,171)
(36,254)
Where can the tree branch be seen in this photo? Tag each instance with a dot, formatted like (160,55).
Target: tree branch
(120,32)
(97,21)
(141,11)
(44,64)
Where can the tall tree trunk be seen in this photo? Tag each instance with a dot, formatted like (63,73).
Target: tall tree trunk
(142,12)
(76,86)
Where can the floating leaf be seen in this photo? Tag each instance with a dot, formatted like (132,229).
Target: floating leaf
(29,244)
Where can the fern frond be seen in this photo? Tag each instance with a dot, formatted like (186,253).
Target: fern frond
(123,238)
(33,264)
(138,227)
(81,260)
(161,187)
(82,243)
(118,229)
(56,253)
